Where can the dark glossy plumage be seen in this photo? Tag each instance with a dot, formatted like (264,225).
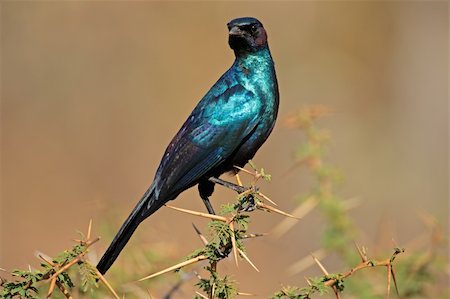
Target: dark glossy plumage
(226,128)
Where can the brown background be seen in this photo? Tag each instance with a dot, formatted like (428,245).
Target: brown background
(92,92)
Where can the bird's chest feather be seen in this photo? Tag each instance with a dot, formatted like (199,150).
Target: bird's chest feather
(262,87)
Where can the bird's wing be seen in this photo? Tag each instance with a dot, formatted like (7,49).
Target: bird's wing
(214,130)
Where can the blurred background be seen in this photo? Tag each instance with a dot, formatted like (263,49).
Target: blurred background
(92,93)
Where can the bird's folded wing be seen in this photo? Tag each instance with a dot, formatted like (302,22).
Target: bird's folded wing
(196,153)
(216,128)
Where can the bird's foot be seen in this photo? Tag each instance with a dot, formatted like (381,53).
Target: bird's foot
(248,205)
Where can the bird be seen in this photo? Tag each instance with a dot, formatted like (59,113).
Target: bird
(226,128)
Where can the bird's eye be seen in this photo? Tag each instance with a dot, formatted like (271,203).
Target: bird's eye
(253,28)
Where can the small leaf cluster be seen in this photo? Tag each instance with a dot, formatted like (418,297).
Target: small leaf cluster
(317,285)
(221,288)
(88,276)
(28,285)
(25,288)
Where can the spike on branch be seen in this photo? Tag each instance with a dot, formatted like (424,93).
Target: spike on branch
(272,209)
(177,266)
(204,215)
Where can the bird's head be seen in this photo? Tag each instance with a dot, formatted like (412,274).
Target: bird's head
(246,35)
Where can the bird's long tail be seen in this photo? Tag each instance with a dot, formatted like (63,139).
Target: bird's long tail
(146,206)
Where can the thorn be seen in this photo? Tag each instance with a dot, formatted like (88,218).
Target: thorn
(395,281)
(51,288)
(244,170)
(364,251)
(308,281)
(45,259)
(238,179)
(233,243)
(269,208)
(320,265)
(66,266)
(389,267)
(180,265)
(249,236)
(247,259)
(362,255)
(103,279)
(306,262)
(266,198)
(304,208)
(205,242)
(201,295)
(245,294)
(336,292)
(89,243)
(256,178)
(209,216)
(252,165)
(88,236)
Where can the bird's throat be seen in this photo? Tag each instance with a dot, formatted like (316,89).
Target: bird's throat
(255,62)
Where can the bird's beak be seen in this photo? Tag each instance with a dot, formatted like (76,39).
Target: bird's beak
(235,31)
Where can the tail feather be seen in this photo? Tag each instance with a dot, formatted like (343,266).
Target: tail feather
(146,206)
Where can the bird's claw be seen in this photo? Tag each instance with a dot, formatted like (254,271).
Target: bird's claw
(249,204)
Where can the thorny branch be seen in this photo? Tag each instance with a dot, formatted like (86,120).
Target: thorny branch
(228,231)
(336,281)
(55,273)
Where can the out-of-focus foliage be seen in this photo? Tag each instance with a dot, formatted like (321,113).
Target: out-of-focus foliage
(417,274)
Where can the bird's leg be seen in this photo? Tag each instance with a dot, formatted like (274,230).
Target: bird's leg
(208,205)
(249,204)
(205,189)
(229,185)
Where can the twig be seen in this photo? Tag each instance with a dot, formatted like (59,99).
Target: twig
(367,264)
(67,266)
